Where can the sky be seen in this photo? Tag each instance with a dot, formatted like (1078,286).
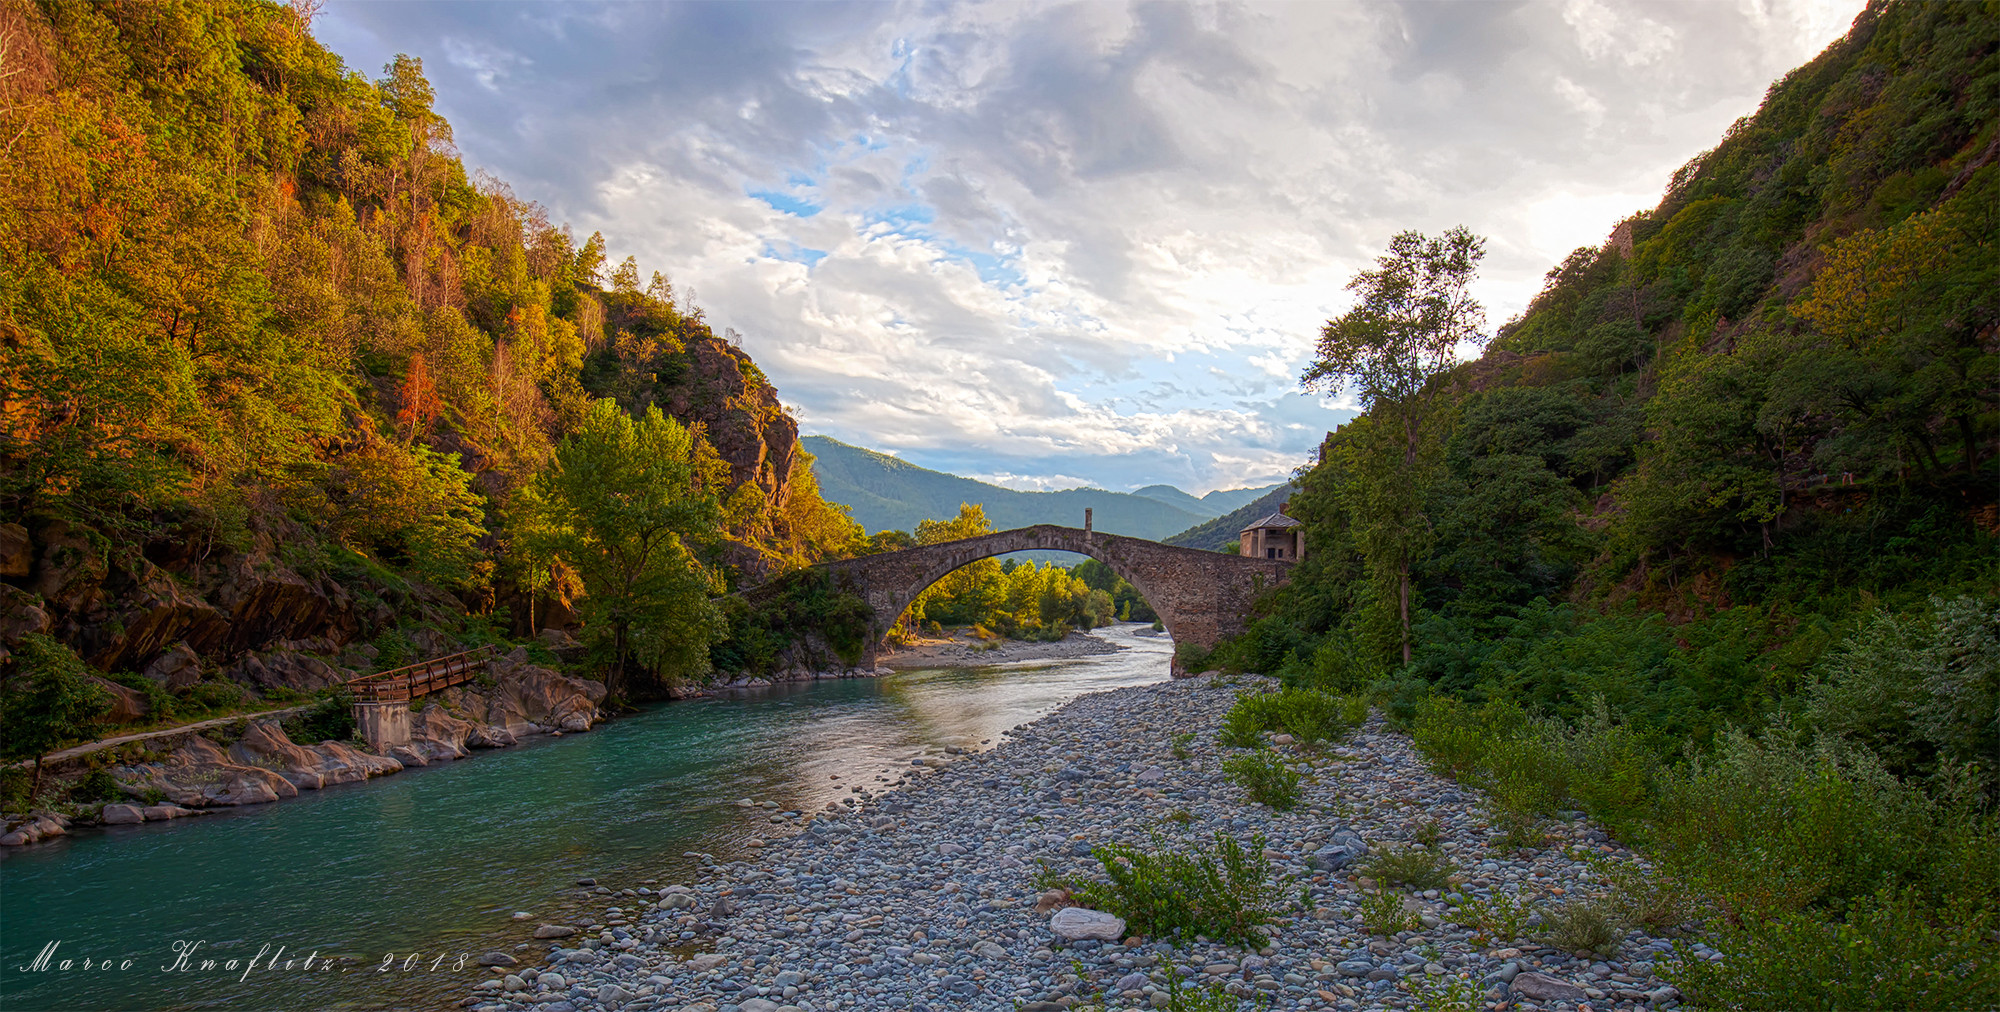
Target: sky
(1055,245)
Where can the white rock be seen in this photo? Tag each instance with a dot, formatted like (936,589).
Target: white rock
(1074,923)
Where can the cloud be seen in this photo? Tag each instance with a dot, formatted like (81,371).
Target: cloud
(1073,240)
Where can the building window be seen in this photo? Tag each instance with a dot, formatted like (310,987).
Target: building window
(1271,553)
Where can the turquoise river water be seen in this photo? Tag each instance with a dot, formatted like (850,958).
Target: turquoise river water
(393,887)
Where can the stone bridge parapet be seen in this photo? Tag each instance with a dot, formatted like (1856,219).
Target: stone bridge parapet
(1201,596)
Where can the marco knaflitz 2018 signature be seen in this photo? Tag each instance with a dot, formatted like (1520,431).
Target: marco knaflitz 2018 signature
(187,957)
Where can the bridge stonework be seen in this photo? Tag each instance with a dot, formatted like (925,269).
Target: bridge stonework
(1201,596)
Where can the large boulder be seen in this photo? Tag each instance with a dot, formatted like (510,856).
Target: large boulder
(307,768)
(438,735)
(127,705)
(21,613)
(1345,848)
(526,698)
(200,774)
(177,668)
(283,669)
(71,571)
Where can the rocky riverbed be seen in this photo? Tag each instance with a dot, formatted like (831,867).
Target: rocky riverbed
(924,897)
(962,649)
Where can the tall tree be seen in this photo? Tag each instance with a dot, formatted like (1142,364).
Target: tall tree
(1416,311)
(620,503)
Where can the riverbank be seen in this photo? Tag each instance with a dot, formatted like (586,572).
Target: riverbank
(925,897)
(251,760)
(961,649)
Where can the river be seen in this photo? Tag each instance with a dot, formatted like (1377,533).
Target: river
(427,866)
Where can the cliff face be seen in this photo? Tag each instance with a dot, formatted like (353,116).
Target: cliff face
(726,392)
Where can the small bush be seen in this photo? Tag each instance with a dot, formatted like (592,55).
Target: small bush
(1427,833)
(1647,899)
(1419,868)
(331,720)
(210,696)
(96,787)
(1448,994)
(1383,913)
(1500,917)
(1226,892)
(1182,744)
(1308,715)
(1266,778)
(1585,925)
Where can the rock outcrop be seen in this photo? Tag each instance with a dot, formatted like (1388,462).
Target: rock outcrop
(527,698)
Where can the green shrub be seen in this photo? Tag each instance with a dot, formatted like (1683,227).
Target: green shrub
(1455,737)
(1266,778)
(1308,715)
(1383,913)
(1418,867)
(332,719)
(97,786)
(1894,949)
(1584,925)
(1225,892)
(1182,743)
(1446,994)
(1499,917)
(1774,825)
(210,696)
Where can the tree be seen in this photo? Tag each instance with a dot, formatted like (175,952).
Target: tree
(1416,310)
(967,594)
(421,405)
(58,708)
(620,503)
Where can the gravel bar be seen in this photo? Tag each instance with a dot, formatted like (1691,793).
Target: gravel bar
(924,898)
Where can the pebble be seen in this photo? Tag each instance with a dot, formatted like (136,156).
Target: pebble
(924,897)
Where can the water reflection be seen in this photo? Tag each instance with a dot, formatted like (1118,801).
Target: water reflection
(434,860)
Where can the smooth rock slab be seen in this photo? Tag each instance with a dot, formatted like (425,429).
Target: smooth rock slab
(1076,923)
(554,931)
(1542,987)
(122,815)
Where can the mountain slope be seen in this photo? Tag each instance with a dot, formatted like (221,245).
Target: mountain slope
(1220,532)
(889,494)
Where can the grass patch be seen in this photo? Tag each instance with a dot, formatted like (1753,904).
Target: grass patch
(1417,867)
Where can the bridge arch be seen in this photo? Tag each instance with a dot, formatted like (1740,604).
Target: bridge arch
(973,551)
(1200,596)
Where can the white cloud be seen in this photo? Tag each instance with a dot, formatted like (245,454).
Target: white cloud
(1046,241)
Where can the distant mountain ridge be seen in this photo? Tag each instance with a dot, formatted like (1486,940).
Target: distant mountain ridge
(1214,504)
(1219,532)
(885,493)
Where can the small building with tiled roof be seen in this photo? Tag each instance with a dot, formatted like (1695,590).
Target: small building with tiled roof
(1277,536)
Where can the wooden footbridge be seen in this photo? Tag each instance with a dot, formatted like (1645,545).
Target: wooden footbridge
(382,700)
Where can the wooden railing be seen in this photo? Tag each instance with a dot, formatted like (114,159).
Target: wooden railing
(400,685)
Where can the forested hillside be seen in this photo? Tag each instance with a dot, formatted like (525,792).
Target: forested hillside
(1705,542)
(280,375)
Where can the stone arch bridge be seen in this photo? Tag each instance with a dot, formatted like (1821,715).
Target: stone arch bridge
(1200,596)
